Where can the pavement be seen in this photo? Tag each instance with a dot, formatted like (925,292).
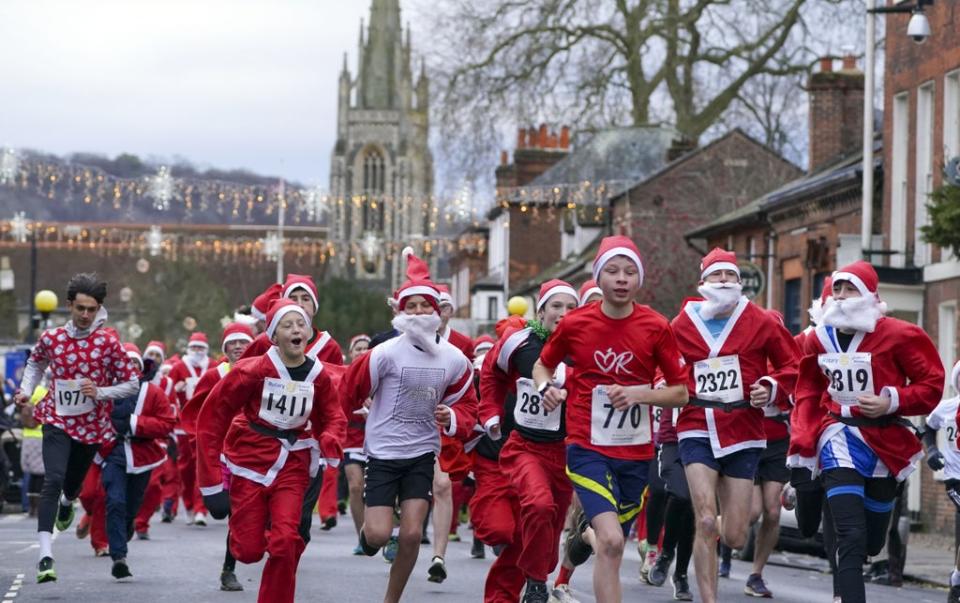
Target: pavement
(182,564)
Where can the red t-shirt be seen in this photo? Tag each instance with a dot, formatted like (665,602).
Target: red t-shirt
(608,351)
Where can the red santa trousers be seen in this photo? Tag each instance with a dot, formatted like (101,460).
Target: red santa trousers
(537,472)
(93,499)
(187,464)
(170,483)
(327,503)
(152,499)
(494,510)
(253,508)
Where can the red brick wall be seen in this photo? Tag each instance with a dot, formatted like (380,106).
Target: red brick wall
(727,175)
(534,242)
(836,112)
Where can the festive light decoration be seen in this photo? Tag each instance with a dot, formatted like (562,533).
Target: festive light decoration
(19,228)
(161,189)
(154,241)
(271,246)
(9,166)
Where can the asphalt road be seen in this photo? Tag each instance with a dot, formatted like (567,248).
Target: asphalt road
(181,564)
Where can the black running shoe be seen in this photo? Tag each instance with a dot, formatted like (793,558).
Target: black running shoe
(120,571)
(536,592)
(681,589)
(229,582)
(329,523)
(658,573)
(577,548)
(954,596)
(45,571)
(437,572)
(477,550)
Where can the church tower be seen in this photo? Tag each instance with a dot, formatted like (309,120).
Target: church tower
(381,175)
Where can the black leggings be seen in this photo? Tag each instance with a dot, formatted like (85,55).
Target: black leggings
(679,532)
(811,508)
(310,498)
(65,463)
(861,509)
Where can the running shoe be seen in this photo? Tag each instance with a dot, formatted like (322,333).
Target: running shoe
(724,569)
(342,507)
(229,582)
(120,570)
(200,519)
(577,548)
(329,523)
(437,572)
(562,594)
(477,550)
(83,526)
(45,571)
(65,514)
(453,537)
(144,535)
(681,589)
(536,592)
(390,549)
(101,553)
(190,517)
(657,575)
(788,498)
(757,588)
(954,596)
(648,560)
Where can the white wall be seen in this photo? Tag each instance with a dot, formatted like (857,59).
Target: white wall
(898,180)
(924,174)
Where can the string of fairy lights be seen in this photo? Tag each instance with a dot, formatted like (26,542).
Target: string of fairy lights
(312,235)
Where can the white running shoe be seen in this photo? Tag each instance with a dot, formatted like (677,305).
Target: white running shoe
(562,594)
(200,519)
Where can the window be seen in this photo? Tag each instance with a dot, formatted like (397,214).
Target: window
(492,308)
(791,305)
(898,181)
(951,115)
(818,280)
(947,339)
(924,183)
(374,179)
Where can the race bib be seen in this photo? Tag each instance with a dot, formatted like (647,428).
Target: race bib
(612,427)
(190,386)
(719,379)
(850,375)
(286,404)
(529,410)
(70,401)
(950,434)
(657,414)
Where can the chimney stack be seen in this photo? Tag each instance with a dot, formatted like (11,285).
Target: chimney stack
(521,138)
(836,112)
(565,138)
(504,158)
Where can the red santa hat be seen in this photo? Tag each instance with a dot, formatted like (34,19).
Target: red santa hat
(301,281)
(261,305)
(827,290)
(418,282)
(555,287)
(235,331)
(955,376)
(586,290)
(716,260)
(861,275)
(482,344)
(445,297)
(278,310)
(357,339)
(133,352)
(198,338)
(156,346)
(611,247)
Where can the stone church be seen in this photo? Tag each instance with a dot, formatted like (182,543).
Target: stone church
(381,175)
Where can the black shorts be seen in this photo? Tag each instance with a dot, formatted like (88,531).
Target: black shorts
(773,463)
(391,481)
(671,471)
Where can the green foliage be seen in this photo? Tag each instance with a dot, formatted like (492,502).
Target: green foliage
(347,309)
(944,210)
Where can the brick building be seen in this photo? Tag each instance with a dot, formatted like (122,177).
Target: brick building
(922,122)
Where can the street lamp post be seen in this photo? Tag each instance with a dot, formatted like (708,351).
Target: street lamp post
(45,302)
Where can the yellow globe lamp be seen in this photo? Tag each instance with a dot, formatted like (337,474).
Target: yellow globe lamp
(517,305)
(45,302)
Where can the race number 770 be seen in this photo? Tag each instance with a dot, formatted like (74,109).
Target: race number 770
(634,412)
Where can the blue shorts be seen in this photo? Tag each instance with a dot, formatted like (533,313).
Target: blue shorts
(606,485)
(741,464)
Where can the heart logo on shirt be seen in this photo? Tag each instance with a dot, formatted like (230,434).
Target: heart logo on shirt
(610,361)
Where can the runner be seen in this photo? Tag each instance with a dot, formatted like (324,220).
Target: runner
(261,305)
(354,460)
(302,290)
(235,340)
(417,381)
(848,425)
(271,418)
(729,343)
(185,375)
(616,347)
(944,419)
(533,457)
(139,421)
(90,369)
(589,293)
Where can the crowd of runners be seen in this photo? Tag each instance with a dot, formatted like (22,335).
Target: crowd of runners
(566,435)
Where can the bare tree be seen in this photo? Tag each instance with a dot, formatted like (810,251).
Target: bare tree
(597,63)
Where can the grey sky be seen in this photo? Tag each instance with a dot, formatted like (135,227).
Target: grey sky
(222,83)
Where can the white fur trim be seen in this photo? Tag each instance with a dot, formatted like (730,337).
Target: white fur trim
(234,337)
(490,424)
(407,252)
(588,293)
(556,291)
(419,290)
(894,395)
(451,430)
(612,253)
(272,327)
(257,313)
(211,490)
(773,388)
(154,348)
(856,280)
(716,266)
(511,345)
(294,286)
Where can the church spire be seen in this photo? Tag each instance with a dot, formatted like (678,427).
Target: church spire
(383,50)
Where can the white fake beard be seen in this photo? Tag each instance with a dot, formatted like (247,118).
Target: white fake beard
(719,298)
(197,359)
(816,312)
(854,314)
(421,329)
